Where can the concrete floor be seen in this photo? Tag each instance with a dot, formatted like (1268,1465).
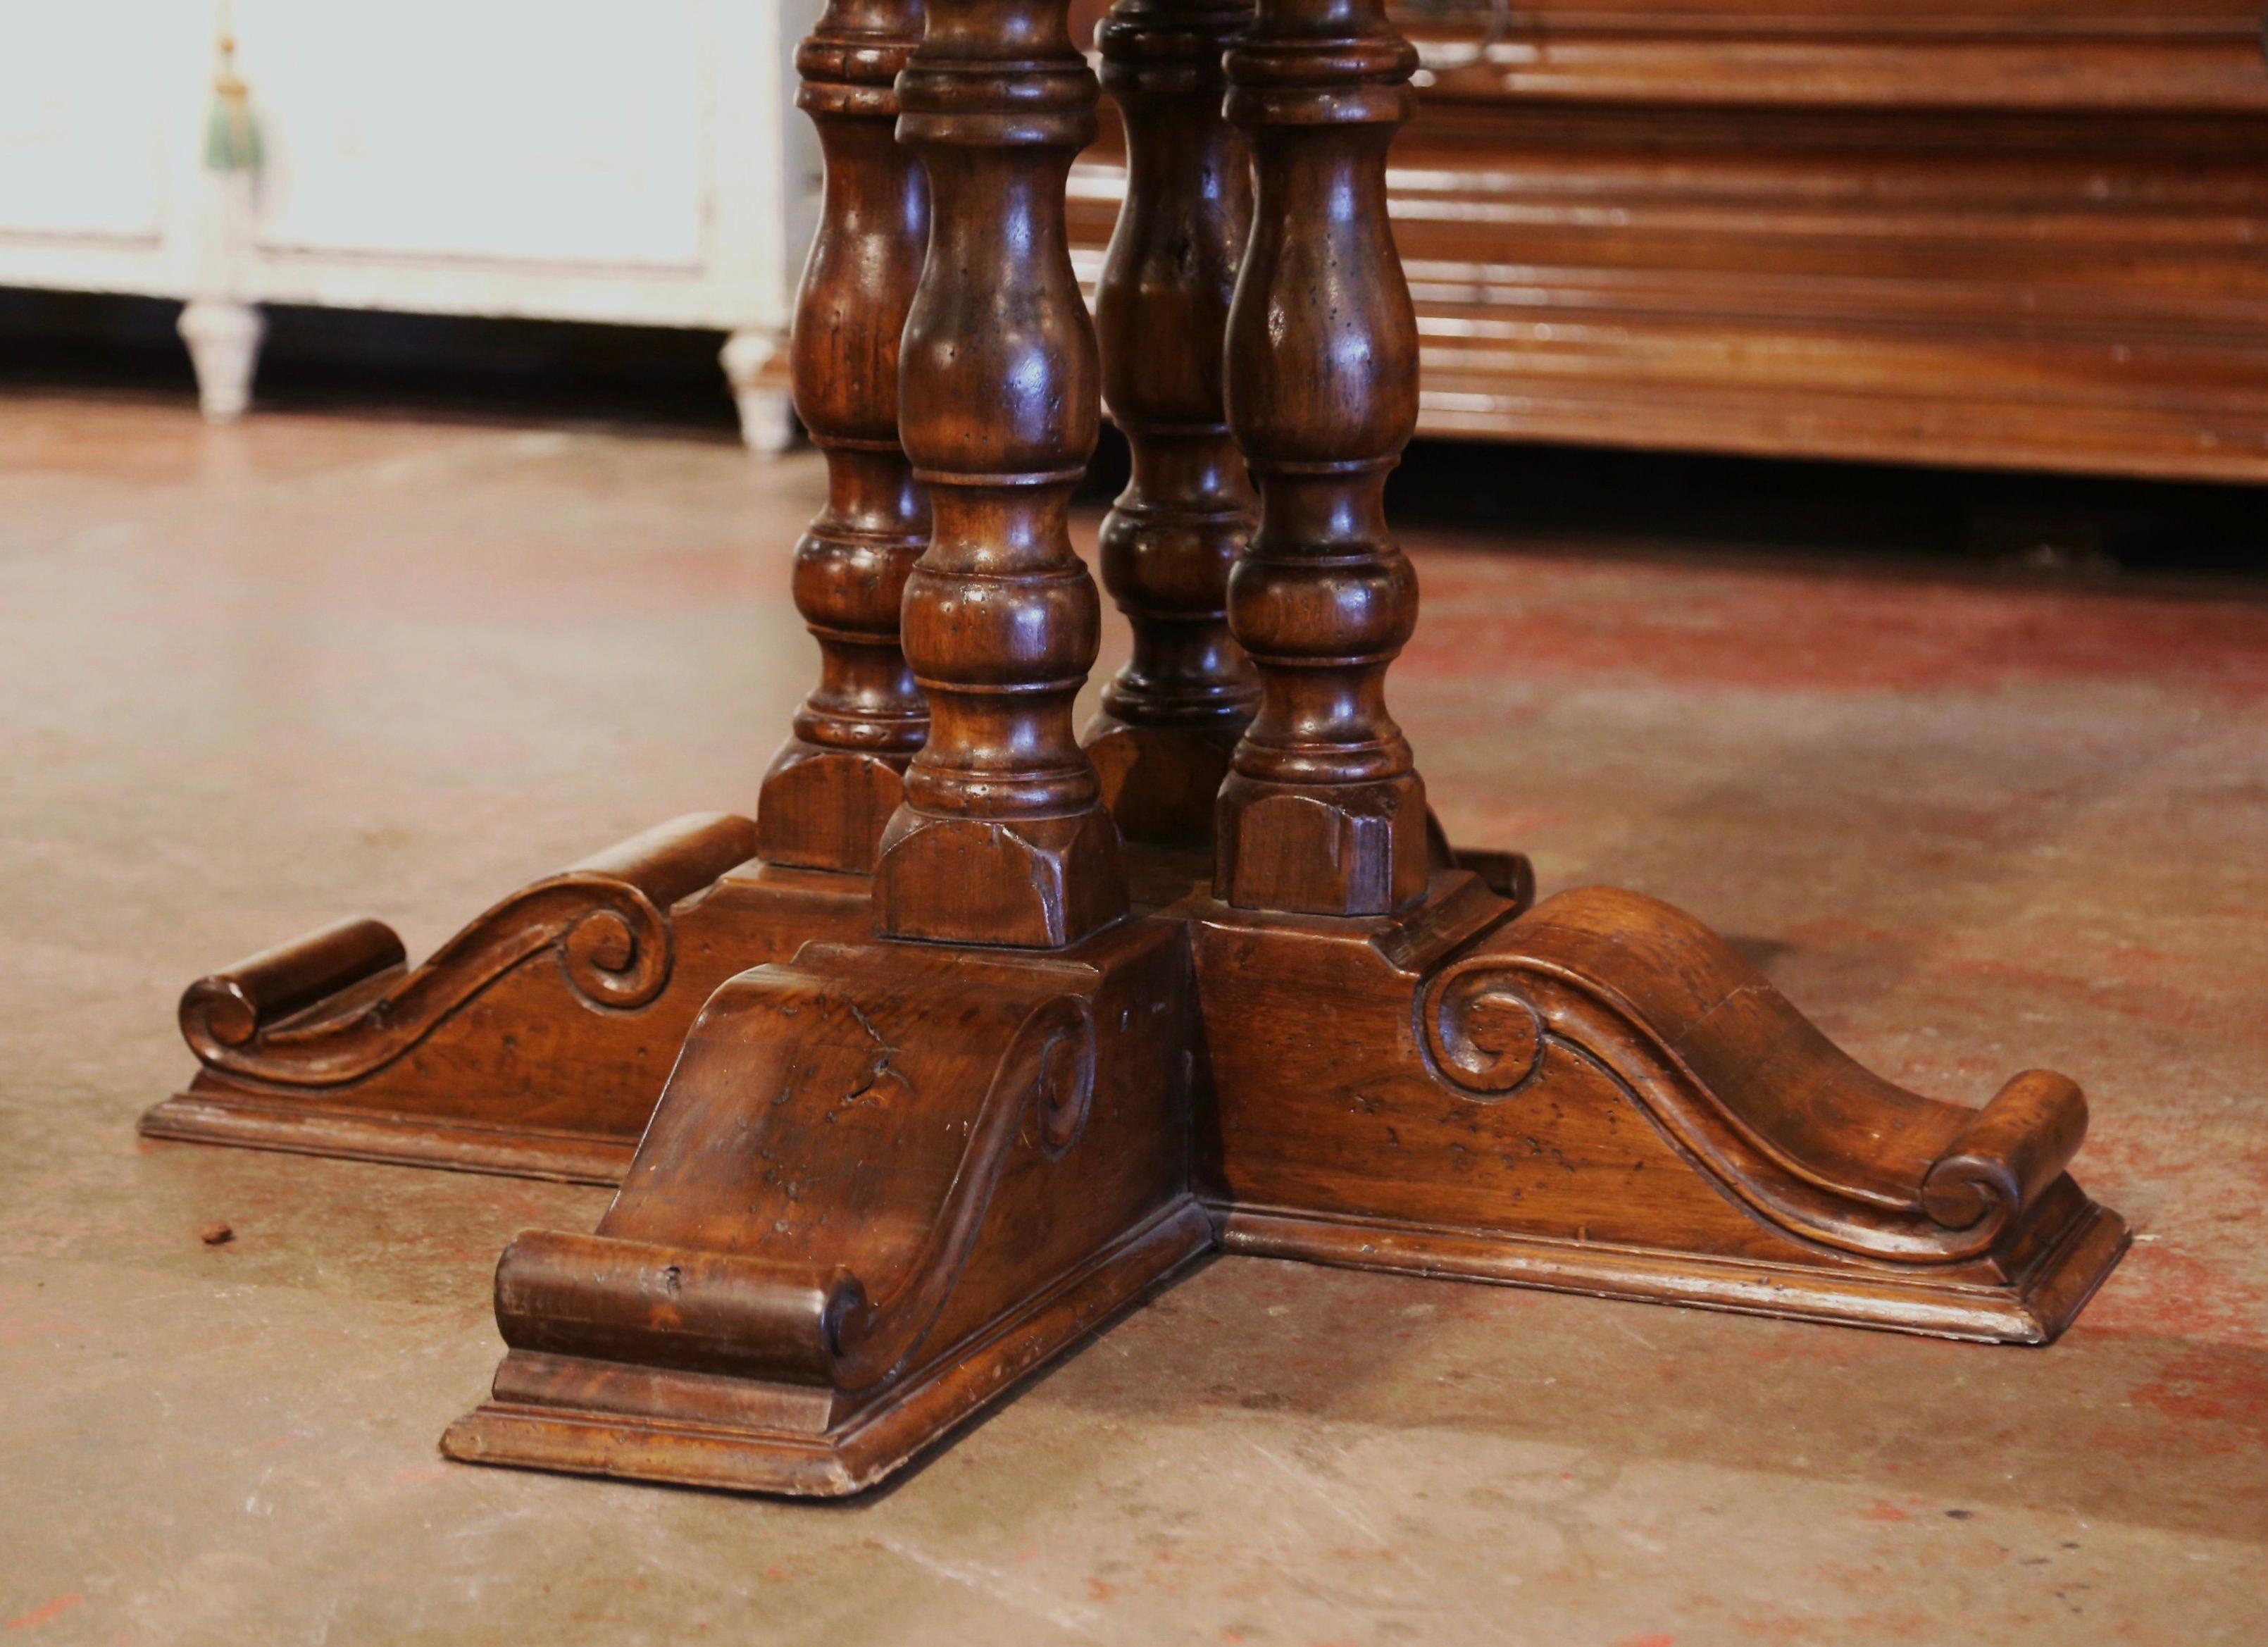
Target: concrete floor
(254,679)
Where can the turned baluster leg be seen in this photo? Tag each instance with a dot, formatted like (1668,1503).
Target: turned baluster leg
(833,787)
(1324,812)
(1171,716)
(1003,838)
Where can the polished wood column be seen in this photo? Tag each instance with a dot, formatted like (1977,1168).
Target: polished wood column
(1325,812)
(1410,1069)
(1173,714)
(833,787)
(1003,838)
(887,1179)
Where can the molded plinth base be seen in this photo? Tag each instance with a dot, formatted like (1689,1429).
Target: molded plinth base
(697,1429)
(887,1180)
(1337,849)
(2033,1307)
(1037,883)
(827,808)
(212,1113)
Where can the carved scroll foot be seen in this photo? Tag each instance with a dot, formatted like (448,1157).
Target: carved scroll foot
(535,1043)
(886,1181)
(1601,1097)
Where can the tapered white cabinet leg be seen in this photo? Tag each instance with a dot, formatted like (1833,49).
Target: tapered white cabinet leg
(767,412)
(224,339)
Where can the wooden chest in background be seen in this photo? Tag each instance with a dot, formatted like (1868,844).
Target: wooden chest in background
(2019,233)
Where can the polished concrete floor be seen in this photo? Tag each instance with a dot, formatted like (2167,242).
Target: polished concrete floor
(254,679)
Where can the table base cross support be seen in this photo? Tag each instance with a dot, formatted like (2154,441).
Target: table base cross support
(933,1126)
(888,1180)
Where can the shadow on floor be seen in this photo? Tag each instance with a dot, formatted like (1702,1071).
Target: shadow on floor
(451,368)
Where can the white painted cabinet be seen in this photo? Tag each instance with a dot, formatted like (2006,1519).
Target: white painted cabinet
(636,161)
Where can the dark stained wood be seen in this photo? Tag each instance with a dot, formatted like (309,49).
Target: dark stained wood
(888,1178)
(1323,811)
(1173,714)
(831,790)
(1003,836)
(2017,233)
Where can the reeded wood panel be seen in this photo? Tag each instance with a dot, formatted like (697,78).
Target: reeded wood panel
(2016,234)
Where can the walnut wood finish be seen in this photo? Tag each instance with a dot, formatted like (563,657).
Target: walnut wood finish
(831,790)
(536,1041)
(1323,811)
(1173,714)
(1601,1097)
(889,1178)
(1003,836)
(945,1167)
(1409,1071)
(2014,233)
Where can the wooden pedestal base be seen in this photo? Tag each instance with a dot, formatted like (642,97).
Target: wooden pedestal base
(535,1043)
(887,1180)
(1601,1097)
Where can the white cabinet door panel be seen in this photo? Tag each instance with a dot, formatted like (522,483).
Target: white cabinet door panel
(84,155)
(553,131)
